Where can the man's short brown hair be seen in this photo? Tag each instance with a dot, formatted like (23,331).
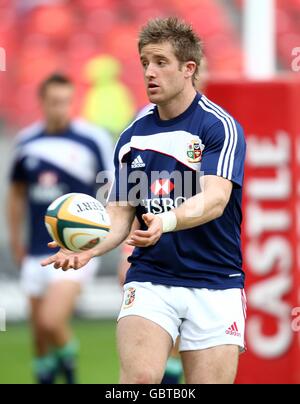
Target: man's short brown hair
(186,43)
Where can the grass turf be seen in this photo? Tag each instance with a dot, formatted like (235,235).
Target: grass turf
(98,357)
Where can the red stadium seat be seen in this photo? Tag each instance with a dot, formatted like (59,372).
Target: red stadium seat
(7,20)
(141,5)
(101,21)
(95,4)
(5,3)
(25,112)
(56,21)
(125,47)
(37,59)
(294,4)
(82,46)
(283,22)
(149,13)
(3,92)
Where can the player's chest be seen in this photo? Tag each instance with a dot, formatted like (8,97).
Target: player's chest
(177,150)
(49,165)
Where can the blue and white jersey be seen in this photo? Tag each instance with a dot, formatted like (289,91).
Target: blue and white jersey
(52,165)
(144,110)
(168,157)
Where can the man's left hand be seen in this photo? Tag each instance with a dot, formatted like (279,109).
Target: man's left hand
(146,238)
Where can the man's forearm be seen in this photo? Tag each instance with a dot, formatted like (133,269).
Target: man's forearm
(201,208)
(112,241)
(121,221)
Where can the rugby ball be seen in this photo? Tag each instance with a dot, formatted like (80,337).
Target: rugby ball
(77,221)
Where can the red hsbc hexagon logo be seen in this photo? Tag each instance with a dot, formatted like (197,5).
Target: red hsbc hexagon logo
(162,187)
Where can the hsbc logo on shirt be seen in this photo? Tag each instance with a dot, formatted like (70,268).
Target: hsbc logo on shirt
(161,205)
(47,188)
(48,179)
(162,187)
(157,191)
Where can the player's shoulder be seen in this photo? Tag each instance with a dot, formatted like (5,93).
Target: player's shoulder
(29,133)
(214,113)
(140,121)
(145,111)
(89,131)
(217,119)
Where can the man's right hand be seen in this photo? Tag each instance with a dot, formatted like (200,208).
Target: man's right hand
(66,259)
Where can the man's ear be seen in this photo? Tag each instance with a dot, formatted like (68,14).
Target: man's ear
(190,68)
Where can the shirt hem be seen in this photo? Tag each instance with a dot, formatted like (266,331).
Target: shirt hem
(196,284)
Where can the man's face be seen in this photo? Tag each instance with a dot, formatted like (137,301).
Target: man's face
(164,77)
(57,103)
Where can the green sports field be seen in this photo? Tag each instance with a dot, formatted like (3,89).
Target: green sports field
(98,356)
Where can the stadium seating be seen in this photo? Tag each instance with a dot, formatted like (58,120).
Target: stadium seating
(65,35)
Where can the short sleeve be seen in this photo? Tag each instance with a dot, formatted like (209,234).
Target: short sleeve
(224,151)
(101,142)
(104,151)
(120,187)
(17,170)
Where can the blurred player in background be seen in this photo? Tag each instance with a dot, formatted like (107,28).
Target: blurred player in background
(186,274)
(52,158)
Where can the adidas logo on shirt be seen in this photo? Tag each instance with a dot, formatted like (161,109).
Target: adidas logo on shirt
(233,330)
(138,162)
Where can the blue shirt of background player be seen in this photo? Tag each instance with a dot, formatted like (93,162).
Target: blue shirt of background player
(207,256)
(52,165)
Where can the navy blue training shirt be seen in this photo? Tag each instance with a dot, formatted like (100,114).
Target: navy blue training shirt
(52,165)
(168,157)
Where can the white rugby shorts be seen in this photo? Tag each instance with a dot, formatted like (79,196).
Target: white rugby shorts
(36,279)
(203,318)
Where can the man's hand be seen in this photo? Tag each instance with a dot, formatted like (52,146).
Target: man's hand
(66,259)
(146,238)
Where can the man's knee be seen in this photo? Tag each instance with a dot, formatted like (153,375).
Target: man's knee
(48,325)
(140,376)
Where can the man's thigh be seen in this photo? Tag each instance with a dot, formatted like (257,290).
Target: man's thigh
(217,365)
(144,347)
(147,328)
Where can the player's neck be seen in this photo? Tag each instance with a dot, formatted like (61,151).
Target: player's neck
(56,127)
(177,106)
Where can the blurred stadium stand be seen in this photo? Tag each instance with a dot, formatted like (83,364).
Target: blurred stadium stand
(64,35)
